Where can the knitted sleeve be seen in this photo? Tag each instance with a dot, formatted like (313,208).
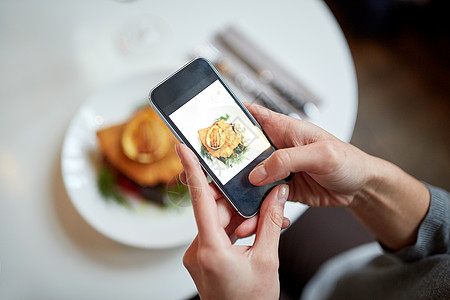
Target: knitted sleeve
(434,232)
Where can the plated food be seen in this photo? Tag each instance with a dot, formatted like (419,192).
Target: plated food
(223,141)
(139,157)
(136,222)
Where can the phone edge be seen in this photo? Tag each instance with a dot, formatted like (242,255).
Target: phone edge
(159,113)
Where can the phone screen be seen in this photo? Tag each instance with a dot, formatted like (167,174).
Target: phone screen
(220,133)
(204,114)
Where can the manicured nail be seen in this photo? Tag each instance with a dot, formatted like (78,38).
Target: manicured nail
(283,193)
(258,174)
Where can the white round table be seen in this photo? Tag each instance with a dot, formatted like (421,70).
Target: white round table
(54,54)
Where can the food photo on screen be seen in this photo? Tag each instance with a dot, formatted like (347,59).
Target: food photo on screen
(224,141)
(221,133)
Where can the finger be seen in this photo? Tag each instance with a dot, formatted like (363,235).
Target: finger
(248,227)
(182,177)
(216,194)
(225,213)
(205,209)
(214,191)
(230,220)
(224,210)
(235,221)
(271,221)
(286,223)
(316,158)
(278,127)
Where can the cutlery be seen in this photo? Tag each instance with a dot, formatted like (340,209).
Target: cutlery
(268,73)
(226,68)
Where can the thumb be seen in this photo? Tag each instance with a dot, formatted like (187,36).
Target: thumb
(276,167)
(312,158)
(271,221)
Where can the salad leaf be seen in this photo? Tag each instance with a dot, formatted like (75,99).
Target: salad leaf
(107,185)
(225,118)
(205,154)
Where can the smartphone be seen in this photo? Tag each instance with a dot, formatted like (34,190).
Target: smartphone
(203,113)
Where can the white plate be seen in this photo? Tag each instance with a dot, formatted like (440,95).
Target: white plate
(143,224)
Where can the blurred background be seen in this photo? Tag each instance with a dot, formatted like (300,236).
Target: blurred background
(401,51)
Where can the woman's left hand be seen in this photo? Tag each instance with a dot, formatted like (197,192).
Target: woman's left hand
(220,269)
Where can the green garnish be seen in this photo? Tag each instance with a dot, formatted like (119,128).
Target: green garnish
(107,185)
(225,118)
(237,157)
(205,154)
(176,195)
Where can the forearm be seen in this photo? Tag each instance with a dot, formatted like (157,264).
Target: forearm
(392,204)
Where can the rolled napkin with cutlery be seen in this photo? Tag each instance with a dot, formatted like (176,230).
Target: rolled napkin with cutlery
(255,76)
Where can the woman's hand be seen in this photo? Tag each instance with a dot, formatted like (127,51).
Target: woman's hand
(220,269)
(329,172)
(326,171)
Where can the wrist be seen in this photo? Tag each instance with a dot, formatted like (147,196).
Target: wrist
(391,203)
(376,181)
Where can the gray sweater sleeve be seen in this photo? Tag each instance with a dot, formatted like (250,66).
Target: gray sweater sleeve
(434,233)
(420,271)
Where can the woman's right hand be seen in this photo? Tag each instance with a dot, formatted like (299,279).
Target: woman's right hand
(329,172)
(326,171)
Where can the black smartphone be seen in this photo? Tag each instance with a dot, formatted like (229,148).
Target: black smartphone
(203,113)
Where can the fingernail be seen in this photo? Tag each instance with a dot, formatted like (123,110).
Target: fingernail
(258,174)
(176,149)
(283,193)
